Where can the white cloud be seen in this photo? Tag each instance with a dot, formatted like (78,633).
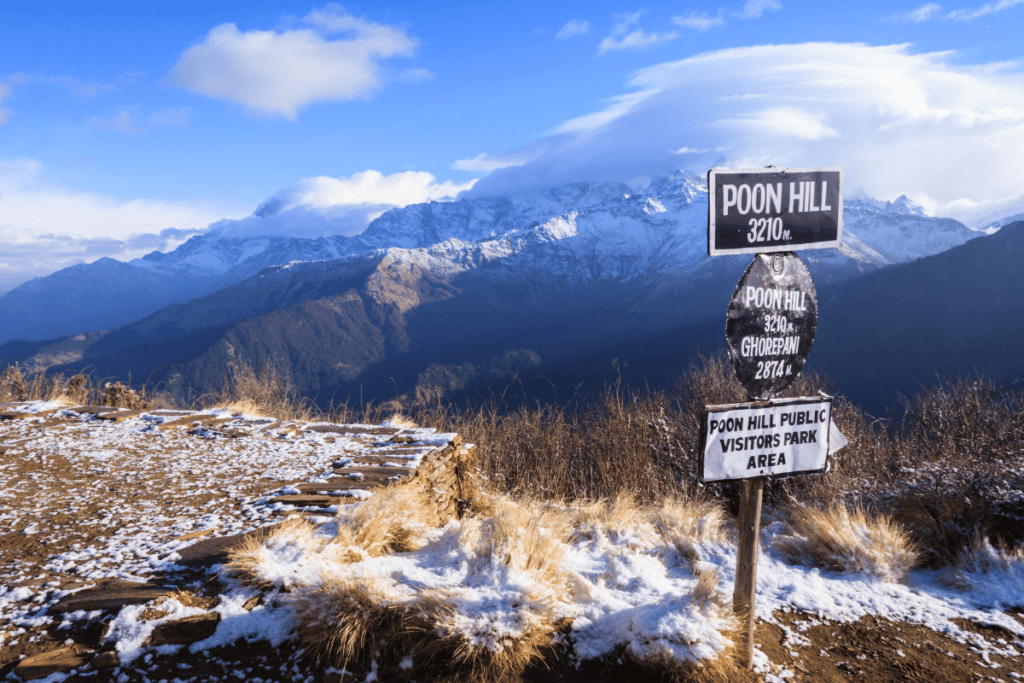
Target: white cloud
(129,124)
(123,122)
(781,122)
(968,14)
(491,162)
(922,13)
(276,73)
(755,8)
(76,87)
(699,22)
(621,38)
(320,206)
(5,114)
(950,137)
(45,228)
(573,27)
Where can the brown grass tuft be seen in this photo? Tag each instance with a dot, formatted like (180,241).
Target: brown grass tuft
(474,647)
(253,560)
(347,620)
(686,522)
(393,520)
(848,540)
(983,557)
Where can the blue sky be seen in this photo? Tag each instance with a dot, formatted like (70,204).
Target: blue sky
(125,129)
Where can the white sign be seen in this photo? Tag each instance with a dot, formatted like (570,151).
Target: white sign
(758,210)
(777,438)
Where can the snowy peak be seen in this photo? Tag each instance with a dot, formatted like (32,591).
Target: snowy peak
(901,206)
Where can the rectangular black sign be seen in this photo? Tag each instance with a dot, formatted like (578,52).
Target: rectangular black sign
(774,209)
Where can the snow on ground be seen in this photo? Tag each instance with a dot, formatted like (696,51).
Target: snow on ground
(92,499)
(630,589)
(144,489)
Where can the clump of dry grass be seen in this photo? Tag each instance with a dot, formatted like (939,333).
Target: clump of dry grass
(399,420)
(78,389)
(259,558)
(489,646)
(687,522)
(622,514)
(264,391)
(347,620)
(981,558)
(494,641)
(297,553)
(393,520)
(848,540)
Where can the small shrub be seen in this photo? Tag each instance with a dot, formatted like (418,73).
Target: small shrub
(393,520)
(686,523)
(848,540)
(995,564)
(348,620)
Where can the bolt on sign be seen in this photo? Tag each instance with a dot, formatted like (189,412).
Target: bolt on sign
(771,322)
(760,210)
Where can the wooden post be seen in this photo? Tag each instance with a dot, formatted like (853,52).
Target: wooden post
(746,563)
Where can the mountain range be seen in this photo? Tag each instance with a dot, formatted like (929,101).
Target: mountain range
(431,299)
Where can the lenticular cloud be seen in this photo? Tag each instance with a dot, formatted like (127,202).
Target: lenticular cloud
(950,137)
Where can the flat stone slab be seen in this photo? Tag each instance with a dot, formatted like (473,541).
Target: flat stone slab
(185,631)
(92,410)
(186,421)
(110,594)
(303,500)
(120,415)
(211,551)
(352,429)
(62,659)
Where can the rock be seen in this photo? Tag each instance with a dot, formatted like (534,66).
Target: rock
(119,415)
(110,594)
(211,551)
(253,602)
(192,535)
(185,631)
(62,659)
(92,410)
(105,660)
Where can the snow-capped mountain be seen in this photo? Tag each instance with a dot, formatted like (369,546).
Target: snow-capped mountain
(574,234)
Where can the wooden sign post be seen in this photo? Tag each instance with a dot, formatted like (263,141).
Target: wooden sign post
(751,491)
(771,322)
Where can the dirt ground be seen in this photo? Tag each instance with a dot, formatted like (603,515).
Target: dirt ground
(83,503)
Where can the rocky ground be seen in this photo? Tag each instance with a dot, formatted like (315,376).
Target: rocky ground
(104,512)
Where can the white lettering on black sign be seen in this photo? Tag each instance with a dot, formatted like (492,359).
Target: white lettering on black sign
(771,323)
(764,210)
(788,437)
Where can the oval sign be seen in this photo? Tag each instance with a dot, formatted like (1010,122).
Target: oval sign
(772,318)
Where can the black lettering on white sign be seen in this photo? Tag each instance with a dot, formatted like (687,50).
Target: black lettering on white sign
(771,322)
(780,439)
(771,209)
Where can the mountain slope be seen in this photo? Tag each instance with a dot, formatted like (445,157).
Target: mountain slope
(593,230)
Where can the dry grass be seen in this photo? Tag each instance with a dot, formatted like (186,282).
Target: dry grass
(686,523)
(848,540)
(347,620)
(264,391)
(393,520)
(75,390)
(256,561)
(466,647)
(982,558)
